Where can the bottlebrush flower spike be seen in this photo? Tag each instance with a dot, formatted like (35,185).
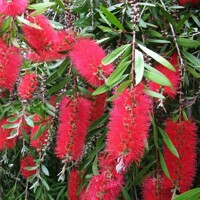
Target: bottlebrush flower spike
(98,105)
(25,162)
(73,185)
(128,127)
(184,137)
(39,142)
(86,55)
(72,129)
(47,43)
(28,86)
(6,143)
(192,2)
(13,7)
(10,62)
(172,76)
(156,189)
(104,187)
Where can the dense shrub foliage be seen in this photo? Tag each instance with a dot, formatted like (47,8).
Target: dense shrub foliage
(99,100)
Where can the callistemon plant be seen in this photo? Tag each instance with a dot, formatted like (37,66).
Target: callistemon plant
(171,75)
(129,125)
(73,124)
(10,62)
(86,57)
(13,7)
(28,86)
(184,137)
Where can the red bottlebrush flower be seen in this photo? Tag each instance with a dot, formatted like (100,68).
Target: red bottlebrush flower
(28,86)
(182,169)
(192,2)
(128,127)
(155,189)
(172,76)
(74,122)
(86,56)
(73,185)
(98,105)
(103,187)
(47,43)
(10,62)
(27,161)
(13,7)
(6,143)
(39,142)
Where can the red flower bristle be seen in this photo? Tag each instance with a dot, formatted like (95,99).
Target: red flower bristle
(28,86)
(74,182)
(13,7)
(5,142)
(39,142)
(74,122)
(184,137)
(155,189)
(192,2)
(103,187)
(10,62)
(171,75)
(25,162)
(98,105)
(47,43)
(129,125)
(86,55)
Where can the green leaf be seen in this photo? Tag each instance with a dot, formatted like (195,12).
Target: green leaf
(31,168)
(188,43)
(29,121)
(116,75)
(154,94)
(123,86)
(28,23)
(114,54)
(94,166)
(98,122)
(157,57)
(41,5)
(13,119)
(125,193)
(139,66)
(45,170)
(112,18)
(9,126)
(168,142)
(62,67)
(193,72)
(40,131)
(193,59)
(193,194)
(163,165)
(45,184)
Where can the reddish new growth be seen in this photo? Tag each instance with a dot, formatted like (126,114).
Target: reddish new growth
(98,106)
(73,185)
(5,142)
(27,161)
(40,140)
(13,7)
(129,125)
(156,189)
(171,75)
(10,62)
(47,43)
(182,169)
(86,56)
(74,122)
(192,2)
(28,86)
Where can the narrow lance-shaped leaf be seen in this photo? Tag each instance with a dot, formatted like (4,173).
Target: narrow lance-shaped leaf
(163,165)
(114,54)
(157,57)
(139,66)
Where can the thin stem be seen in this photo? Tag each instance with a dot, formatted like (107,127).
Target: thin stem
(182,66)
